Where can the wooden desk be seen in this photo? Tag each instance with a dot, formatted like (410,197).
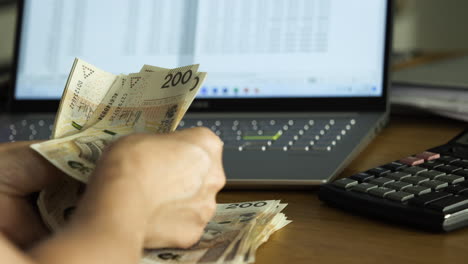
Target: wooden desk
(321,234)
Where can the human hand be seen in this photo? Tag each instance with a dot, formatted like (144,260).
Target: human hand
(162,185)
(22,172)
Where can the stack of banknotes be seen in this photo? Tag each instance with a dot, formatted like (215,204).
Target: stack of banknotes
(97,108)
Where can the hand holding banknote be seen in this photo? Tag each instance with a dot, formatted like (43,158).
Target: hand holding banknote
(151,191)
(173,178)
(166,200)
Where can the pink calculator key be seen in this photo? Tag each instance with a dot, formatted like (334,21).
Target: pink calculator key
(412,161)
(427,155)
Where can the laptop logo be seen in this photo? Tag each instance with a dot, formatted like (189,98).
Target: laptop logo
(87,71)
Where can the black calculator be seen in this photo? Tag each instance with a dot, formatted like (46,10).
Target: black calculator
(428,190)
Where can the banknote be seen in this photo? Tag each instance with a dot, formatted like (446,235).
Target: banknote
(141,102)
(198,79)
(96,109)
(231,236)
(85,88)
(223,232)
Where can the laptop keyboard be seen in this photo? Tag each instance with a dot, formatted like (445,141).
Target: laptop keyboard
(311,135)
(30,129)
(318,135)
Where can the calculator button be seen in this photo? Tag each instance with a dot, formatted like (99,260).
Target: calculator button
(381,181)
(464,183)
(451,179)
(381,191)
(398,185)
(427,198)
(448,168)
(412,161)
(460,163)
(345,183)
(398,176)
(435,184)
(414,170)
(450,204)
(432,174)
(447,159)
(463,173)
(456,189)
(431,164)
(400,196)
(362,177)
(415,180)
(427,155)
(364,187)
(394,166)
(418,190)
(378,171)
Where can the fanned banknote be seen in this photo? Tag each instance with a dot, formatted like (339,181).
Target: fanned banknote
(97,108)
(153,100)
(232,236)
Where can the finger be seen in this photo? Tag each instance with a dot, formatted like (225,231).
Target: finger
(21,224)
(181,222)
(202,137)
(23,171)
(207,140)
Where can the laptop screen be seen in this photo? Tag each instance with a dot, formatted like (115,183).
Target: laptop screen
(250,49)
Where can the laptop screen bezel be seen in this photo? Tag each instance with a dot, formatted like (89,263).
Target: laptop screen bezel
(329,104)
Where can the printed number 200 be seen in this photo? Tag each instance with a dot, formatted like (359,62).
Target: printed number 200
(246,205)
(175,79)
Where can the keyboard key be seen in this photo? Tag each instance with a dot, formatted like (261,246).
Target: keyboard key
(427,198)
(432,174)
(398,176)
(394,166)
(305,142)
(278,147)
(435,184)
(427,155)
(378,171)
(400,196)
(362,177)
(398,185)
(447,159)
(253,147)
(460,163)
(382,181)
(418,190)
(321,148)
(464,183)
(415,180)
(412,161)
(463,173)
(456,189)
(448,168)
(381,191)
(364,187)
(451,179)
(450,204)
(431,164)
(414,170)
(299,148)
(345,183)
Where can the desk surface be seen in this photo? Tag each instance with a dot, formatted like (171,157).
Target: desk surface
(321,234)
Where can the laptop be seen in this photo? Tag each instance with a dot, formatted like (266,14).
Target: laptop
(295,88)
